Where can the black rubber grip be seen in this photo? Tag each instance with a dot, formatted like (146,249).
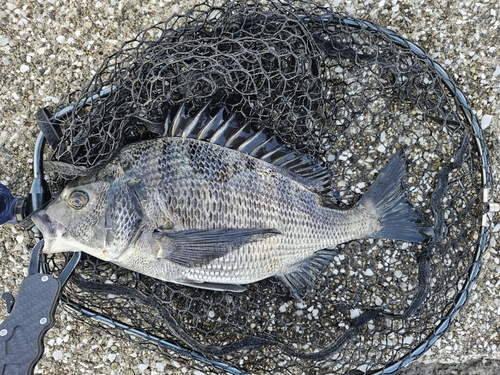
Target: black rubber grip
(21,334)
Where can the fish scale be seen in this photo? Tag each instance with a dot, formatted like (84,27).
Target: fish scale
(270,199)
(214,205)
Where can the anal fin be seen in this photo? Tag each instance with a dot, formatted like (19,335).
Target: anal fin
(303,276)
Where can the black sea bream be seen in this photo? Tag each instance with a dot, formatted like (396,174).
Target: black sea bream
(213,205)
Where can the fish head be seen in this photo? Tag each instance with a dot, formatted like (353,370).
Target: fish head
(75,220)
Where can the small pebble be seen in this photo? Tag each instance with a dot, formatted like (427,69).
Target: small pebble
(57,355)
(142,367)
(160,367)
(383,136)
(355,313)
(3,41)
(485,121)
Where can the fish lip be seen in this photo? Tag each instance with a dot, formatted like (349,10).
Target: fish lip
(51,229)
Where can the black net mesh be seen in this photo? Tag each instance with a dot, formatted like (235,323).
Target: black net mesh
(344,91)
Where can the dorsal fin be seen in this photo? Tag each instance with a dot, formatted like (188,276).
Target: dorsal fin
(240,135)
(190,130)
(253,143)
(228,133)
(211,126)
(175,127)
(223,133)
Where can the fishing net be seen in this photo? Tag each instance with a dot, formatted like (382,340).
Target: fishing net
(347,93)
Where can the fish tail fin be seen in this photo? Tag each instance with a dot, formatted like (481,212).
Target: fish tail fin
(397,219)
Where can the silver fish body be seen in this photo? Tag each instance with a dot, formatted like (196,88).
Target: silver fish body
(189,209)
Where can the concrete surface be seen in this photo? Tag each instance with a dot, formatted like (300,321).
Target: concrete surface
(48,48)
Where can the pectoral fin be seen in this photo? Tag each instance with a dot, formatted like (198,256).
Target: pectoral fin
(196,247)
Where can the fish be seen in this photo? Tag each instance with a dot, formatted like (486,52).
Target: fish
(212,204)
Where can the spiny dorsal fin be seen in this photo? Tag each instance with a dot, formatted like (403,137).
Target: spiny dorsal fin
(211,126)
(252,143)
(178,123)
(220,137)
(190,130)
(228,133)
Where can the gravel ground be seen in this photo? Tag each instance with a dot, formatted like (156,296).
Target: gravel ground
(49,48)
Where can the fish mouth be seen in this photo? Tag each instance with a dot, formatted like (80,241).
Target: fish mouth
(51,229)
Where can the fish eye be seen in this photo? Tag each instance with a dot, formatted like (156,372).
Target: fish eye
(78,199)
